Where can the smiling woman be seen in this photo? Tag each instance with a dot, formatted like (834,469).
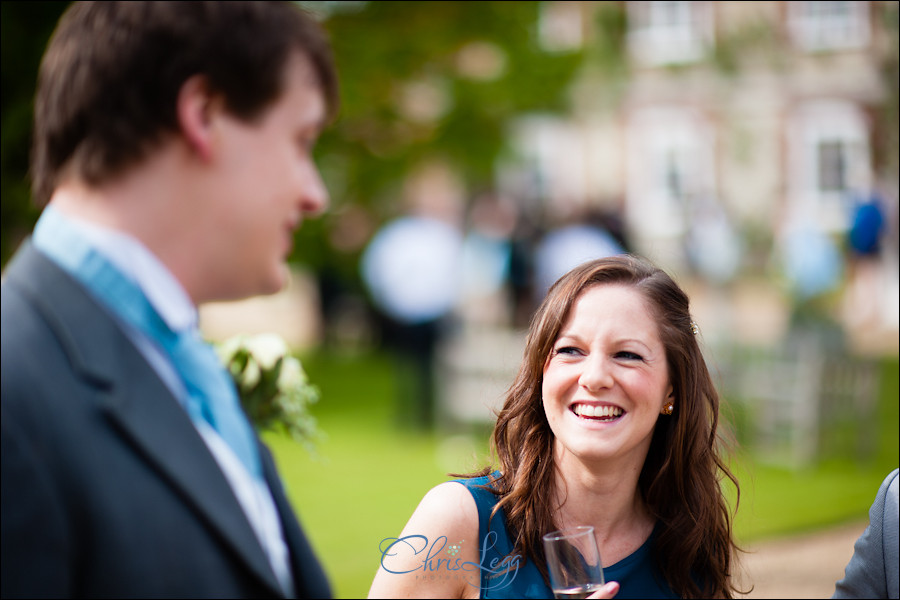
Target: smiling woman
(610,423)
(606,381)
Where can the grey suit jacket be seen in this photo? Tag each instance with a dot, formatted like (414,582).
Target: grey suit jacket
(873,570)
(107,488)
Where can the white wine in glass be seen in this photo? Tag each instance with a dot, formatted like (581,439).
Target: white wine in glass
(573,561)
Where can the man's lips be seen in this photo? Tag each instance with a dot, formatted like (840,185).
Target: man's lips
(290,228)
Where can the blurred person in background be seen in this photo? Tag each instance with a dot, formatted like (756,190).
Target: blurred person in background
(873,570)
(172,149)
(713,244)
(813,269)
(611,422)
(864,244)
(585,236)
(412,271)
(487,251)
(526,234)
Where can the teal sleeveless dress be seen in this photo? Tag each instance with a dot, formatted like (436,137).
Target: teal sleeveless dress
(505,575)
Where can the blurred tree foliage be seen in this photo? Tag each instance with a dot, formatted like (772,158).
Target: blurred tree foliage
(25,28)
(419,81)
(422,81)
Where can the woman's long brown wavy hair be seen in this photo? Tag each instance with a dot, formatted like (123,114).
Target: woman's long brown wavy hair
(680,480)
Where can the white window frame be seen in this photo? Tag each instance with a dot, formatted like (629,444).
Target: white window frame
(553,156)
(661,139)
(835,25)
(669,32)
(812,125)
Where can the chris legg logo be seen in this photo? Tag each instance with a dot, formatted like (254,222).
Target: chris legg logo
(399,551)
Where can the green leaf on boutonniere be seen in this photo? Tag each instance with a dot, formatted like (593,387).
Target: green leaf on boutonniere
(272,385)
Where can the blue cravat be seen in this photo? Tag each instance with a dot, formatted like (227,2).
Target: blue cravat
(212,397)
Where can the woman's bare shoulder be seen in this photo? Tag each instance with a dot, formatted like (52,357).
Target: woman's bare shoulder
(432,556)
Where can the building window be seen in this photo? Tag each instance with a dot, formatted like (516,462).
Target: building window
(818,26)
(671,169)
(829,161)
(832,166)
(551,163)
(669,32)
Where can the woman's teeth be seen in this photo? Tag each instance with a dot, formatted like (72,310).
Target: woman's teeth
(597,412)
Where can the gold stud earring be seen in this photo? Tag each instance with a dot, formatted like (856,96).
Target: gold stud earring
(669,408)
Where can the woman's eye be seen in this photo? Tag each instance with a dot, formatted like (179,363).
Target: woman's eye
(629,355)
(567,350)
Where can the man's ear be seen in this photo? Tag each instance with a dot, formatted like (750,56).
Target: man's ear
(195,106)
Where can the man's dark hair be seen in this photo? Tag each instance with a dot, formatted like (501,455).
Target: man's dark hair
(109,80)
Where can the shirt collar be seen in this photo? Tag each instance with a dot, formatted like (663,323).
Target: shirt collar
(137,262)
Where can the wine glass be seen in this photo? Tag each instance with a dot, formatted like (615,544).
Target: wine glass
(573,560)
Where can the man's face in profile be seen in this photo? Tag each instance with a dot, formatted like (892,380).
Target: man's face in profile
(269,183)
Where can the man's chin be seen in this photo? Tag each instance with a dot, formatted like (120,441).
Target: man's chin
(275,279)
(279,280)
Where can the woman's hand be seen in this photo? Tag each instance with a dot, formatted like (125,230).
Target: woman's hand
(609,590)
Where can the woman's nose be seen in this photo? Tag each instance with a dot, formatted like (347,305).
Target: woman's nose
(596,374)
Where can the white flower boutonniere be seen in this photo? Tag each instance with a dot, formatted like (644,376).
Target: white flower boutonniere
(272,385)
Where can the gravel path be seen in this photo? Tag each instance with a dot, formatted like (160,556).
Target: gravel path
(805,566)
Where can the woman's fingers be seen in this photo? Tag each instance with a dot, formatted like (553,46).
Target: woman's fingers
(608,590)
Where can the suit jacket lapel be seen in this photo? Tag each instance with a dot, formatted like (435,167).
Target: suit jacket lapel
(159,427)
(138,402)
(309,578)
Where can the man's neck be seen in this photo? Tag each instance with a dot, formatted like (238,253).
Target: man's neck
(146,202)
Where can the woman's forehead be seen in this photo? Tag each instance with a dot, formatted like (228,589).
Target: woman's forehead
(613,307)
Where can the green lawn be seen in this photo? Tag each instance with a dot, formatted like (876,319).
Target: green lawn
(370,475)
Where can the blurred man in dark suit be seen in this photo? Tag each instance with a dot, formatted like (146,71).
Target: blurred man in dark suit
(172,150)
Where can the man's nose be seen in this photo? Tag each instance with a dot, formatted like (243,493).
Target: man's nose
(314,195)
